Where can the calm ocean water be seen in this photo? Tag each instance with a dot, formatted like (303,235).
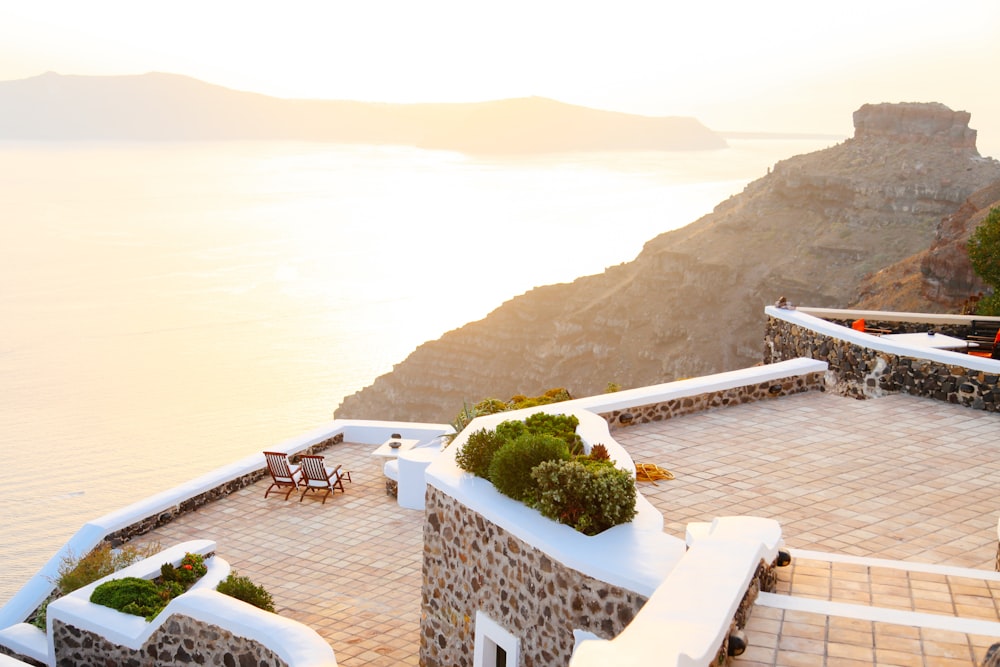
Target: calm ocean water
(168,308)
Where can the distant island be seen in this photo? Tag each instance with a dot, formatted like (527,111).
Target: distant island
(170,107)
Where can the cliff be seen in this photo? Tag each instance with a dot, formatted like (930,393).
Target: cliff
(939,279)
(691,303)
(159,107)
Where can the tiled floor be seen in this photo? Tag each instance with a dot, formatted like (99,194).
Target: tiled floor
(898,478)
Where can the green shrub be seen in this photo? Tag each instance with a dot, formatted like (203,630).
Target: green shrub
(39,619)
(489,406)
(591,496)
(149,597)
(76,572)
(478,451)
(242,588)
(131,595)
(191,569)
(984,256)
(510,470)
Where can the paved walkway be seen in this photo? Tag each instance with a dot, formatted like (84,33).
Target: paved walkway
(898,478)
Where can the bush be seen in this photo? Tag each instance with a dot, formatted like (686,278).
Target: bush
(191,569)
(243,589)
(478,451)
(146,598)
(140,597)
(984,255)
(76,572)
(510,470)
(591,496)
(489,406)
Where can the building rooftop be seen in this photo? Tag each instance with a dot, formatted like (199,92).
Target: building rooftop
(854,484)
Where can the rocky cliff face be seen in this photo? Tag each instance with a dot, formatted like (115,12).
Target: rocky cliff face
(692,301)
(940,278)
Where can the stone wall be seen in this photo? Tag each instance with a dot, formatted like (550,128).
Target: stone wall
(714,399)
(862,372)
(119,537)
(181,640)
(471,564)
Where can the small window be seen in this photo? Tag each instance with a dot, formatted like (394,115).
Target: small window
(495,647)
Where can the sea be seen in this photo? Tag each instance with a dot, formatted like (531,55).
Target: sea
(167,308)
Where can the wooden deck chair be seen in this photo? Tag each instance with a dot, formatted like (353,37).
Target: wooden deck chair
(317,477)
(986,347)
(860,325)
(283,476)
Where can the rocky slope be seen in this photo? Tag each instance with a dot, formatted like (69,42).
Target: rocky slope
(692,301)
(940,278)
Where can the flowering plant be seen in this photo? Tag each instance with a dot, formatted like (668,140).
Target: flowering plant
(191,569)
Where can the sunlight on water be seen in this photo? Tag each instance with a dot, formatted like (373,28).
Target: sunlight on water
(170,308)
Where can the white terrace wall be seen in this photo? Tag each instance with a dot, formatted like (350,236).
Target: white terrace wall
(867,366)
(487,556)
(147,514)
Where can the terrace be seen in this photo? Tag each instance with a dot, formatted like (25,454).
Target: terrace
(888,507)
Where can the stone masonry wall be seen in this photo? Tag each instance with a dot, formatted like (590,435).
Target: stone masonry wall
(471,564)
(181,640)
(715,399)
(149,523)
(861,372)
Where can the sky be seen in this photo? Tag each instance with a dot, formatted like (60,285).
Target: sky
(776,65)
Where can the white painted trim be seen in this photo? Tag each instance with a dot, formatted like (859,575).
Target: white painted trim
(490,633)
(970,626)
(928,568)
(881,344)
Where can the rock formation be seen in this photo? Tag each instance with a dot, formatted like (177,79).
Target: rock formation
(692,301)
(940,278)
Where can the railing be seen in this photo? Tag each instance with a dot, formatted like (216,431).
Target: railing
(867,366)
(163,507)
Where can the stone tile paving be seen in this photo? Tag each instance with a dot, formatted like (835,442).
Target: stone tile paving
(898,477)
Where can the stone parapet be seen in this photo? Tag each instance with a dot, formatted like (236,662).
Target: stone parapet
(863,372)
(685,405)
(142,526)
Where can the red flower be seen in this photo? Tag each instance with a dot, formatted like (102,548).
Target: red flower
(186,566)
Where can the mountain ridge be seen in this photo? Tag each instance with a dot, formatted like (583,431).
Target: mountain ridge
(691,302)
(158,106)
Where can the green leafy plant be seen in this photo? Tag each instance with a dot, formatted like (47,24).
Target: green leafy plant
(148,598)
(589,495)
(510,470)
(490,406)
(191,569)
(78,571)
(477,452)
(243,589)
(984,255)
(132,595)
(75,572)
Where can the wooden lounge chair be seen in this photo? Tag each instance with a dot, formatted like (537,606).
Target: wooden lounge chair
(317,477)
(986,346)
(283,476)
(860,325)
